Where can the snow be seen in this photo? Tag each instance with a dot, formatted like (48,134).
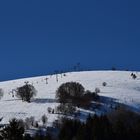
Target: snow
(120,86)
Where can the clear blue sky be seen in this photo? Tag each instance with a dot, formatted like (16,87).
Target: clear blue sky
(40,36)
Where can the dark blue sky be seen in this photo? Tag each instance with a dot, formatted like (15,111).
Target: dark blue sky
(40,36)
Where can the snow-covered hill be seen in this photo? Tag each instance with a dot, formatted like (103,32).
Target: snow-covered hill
(120,86)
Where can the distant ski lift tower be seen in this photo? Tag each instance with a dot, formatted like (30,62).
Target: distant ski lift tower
(56,72)
(46,80)
(61,73)
(78,66)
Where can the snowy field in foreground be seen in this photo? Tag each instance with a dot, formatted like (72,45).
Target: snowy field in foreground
(120,86)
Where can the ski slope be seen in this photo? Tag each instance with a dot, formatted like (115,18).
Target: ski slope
(120,86)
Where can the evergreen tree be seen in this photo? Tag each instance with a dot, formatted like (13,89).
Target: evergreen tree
(14,131)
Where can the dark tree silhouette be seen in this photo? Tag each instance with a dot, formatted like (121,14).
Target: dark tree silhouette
(70,92)
(14,131)
(26,92)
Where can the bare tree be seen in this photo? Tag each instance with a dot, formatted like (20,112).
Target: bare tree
(97,90)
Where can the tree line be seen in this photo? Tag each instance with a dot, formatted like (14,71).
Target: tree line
(118,125)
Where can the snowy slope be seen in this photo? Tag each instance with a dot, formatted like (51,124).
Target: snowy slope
(120,86)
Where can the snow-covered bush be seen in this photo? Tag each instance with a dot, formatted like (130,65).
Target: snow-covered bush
(49,110)
(66,109)
(29,122)
(104,84)
(97,90)
(32,120)
(44,119)
(1,93)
